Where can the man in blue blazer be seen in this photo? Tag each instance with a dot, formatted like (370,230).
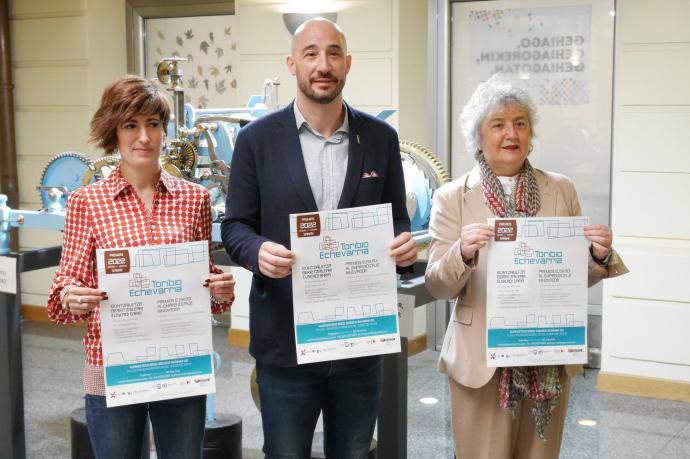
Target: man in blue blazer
(318,153)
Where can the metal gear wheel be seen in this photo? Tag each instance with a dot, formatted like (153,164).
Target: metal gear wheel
(183,155)
(66,170)
(423,174)
(426,160)
(102,167)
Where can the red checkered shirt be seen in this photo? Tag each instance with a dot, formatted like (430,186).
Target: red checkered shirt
(109,214)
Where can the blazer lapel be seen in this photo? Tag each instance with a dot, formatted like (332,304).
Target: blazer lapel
(549,198)
(473,199)
(355,159)
(288,139)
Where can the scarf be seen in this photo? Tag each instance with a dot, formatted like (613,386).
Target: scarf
(541,384)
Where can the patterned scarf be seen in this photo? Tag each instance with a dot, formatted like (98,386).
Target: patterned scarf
(541,384)
(524,201)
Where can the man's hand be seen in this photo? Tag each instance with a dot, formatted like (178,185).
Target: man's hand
(404,249)
(275,260)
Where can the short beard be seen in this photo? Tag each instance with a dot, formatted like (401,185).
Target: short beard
(323,99)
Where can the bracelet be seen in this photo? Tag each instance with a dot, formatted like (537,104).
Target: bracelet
(63,293)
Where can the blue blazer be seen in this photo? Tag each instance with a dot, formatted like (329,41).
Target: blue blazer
(268,181)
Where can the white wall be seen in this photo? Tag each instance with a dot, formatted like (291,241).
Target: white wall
(64,52)
(646,313)
(371,29)
(412,69)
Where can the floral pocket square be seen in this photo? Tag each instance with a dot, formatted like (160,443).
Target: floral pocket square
(371,174)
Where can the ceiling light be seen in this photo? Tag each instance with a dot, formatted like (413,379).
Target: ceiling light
(428,400)
(294,20)
(310,6)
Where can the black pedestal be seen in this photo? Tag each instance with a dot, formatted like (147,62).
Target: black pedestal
(223,438)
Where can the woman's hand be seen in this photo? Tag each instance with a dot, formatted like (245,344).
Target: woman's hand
(601,238)
(81,300)
(473,237)
(222,286)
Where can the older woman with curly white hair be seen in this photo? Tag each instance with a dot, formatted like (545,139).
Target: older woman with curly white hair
(515,412)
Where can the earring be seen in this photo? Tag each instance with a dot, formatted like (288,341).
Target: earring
(531,147)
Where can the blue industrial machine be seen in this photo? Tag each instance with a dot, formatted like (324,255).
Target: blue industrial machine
(200,150)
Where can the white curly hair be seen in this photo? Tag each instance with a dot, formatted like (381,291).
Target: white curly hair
(496,93)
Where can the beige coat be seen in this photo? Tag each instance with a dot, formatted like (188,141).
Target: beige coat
(461,203)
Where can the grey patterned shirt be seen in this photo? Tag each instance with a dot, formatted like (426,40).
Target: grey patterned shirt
(325,160)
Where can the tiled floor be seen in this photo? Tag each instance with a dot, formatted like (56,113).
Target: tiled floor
(628,427)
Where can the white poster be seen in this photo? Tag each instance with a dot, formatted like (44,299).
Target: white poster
(344,284)
(156,325)
(536,296)
(8,275)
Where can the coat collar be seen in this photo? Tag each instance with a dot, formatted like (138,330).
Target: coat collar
(287,139)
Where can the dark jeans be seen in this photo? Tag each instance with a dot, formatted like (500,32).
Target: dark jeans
(348,393)
(117,432)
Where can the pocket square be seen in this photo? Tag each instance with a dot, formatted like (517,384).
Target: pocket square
(371,174)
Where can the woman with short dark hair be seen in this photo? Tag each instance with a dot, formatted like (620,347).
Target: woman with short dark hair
(138,204)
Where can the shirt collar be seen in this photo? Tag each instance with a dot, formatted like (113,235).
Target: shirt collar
(167,182)
(117,183)
(301,121)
